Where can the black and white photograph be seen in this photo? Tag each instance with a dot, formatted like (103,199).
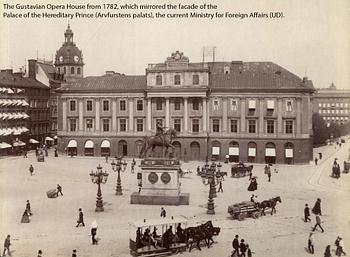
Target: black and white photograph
(174,128)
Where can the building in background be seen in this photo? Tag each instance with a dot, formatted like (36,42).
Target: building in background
(255,111)
(332,104)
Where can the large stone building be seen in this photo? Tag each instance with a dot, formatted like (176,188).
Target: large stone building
(255,111)
(332,104)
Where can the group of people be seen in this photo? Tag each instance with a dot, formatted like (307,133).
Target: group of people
(339,250)
(240,248)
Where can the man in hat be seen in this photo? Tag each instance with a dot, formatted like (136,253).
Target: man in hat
(235,245)
(59,189)
(81,218)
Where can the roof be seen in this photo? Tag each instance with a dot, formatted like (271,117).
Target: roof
(7,79)
(111,83)
(265,76)
(50,71)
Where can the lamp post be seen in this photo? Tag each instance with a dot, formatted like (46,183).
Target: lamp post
(99,177)
(118,166)
(209,179)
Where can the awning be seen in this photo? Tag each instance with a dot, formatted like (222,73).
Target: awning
(19,143)
(33,141)
(17,131)
(252,152)
(233,151)
(105,144)
(270,152)
(216,150)
(24,103)
(4,145)
(289,153)
(72,143)
(10,91)
(89,144)
(48,139)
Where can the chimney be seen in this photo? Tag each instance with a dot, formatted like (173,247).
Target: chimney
(32,68)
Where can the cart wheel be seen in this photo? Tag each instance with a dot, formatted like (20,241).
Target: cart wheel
(256,215)
(241,216)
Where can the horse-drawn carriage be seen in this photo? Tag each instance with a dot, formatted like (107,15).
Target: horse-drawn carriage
(253,209)
(240,170)
(173,236)
(346,166)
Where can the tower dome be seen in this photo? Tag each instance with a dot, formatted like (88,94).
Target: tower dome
(69,59)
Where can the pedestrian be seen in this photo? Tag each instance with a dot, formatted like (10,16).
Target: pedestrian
(94,232)
(40,253)
(74,254)
(162,212)
(252,198)
(235,245)
(340,246)
(59,189)
(311,243)
(307,213)
(132,167)
(316,160)
(249,251)
(220,187)
(317,207)
(327,252)
(243,248)
(7,244)
(80,218)
(320,156)
(253,184)
(25,154)
(318,223)
(31,169)
(28,208)
(269,174)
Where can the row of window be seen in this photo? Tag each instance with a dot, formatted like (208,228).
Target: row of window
(252,126)
(333,111)
(72,70)
(177,105)
(341,105)
(39,104)
(336,118)
(177,79)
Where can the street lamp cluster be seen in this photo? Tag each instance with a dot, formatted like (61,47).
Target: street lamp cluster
(211,177)
(100,177)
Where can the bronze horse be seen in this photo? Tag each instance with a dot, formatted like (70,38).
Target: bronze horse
(153,141)
(269,204)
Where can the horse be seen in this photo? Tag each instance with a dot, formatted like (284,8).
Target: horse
(153,141)
(269,204)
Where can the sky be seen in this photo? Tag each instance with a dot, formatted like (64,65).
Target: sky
(311,40)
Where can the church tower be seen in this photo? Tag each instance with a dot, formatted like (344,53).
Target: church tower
(69,59)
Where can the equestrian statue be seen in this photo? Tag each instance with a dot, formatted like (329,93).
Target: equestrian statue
(162,138)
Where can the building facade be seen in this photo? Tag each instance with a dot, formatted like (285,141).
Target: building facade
(255,112)
(23,112)
(332,104)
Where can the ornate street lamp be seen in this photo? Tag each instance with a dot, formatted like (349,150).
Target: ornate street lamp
(99,177)
(118,166)
(209,179)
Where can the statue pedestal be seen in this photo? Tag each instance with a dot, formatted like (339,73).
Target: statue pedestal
(160,183)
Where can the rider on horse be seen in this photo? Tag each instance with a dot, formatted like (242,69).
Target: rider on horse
(160,130)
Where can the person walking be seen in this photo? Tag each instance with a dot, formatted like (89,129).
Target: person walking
(340,247)
(311,243)
(243,248)
(81,218)
(235,245)
(317,207)
(28,208)
(94,232)
(31,169)
(249,251)
(318,223)
(74,253)
(327,252)
(269,174)
(162,212)
(307,213)
(220,187)
(7,244)
(59,189)
(316,160)
(40,253)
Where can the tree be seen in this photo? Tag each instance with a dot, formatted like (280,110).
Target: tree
(320,130)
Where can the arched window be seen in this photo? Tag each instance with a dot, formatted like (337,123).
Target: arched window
(78,71)
(72,70)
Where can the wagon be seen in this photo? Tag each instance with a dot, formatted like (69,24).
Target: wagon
(244,209)
(346,166)
(240,170)
(52,193)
